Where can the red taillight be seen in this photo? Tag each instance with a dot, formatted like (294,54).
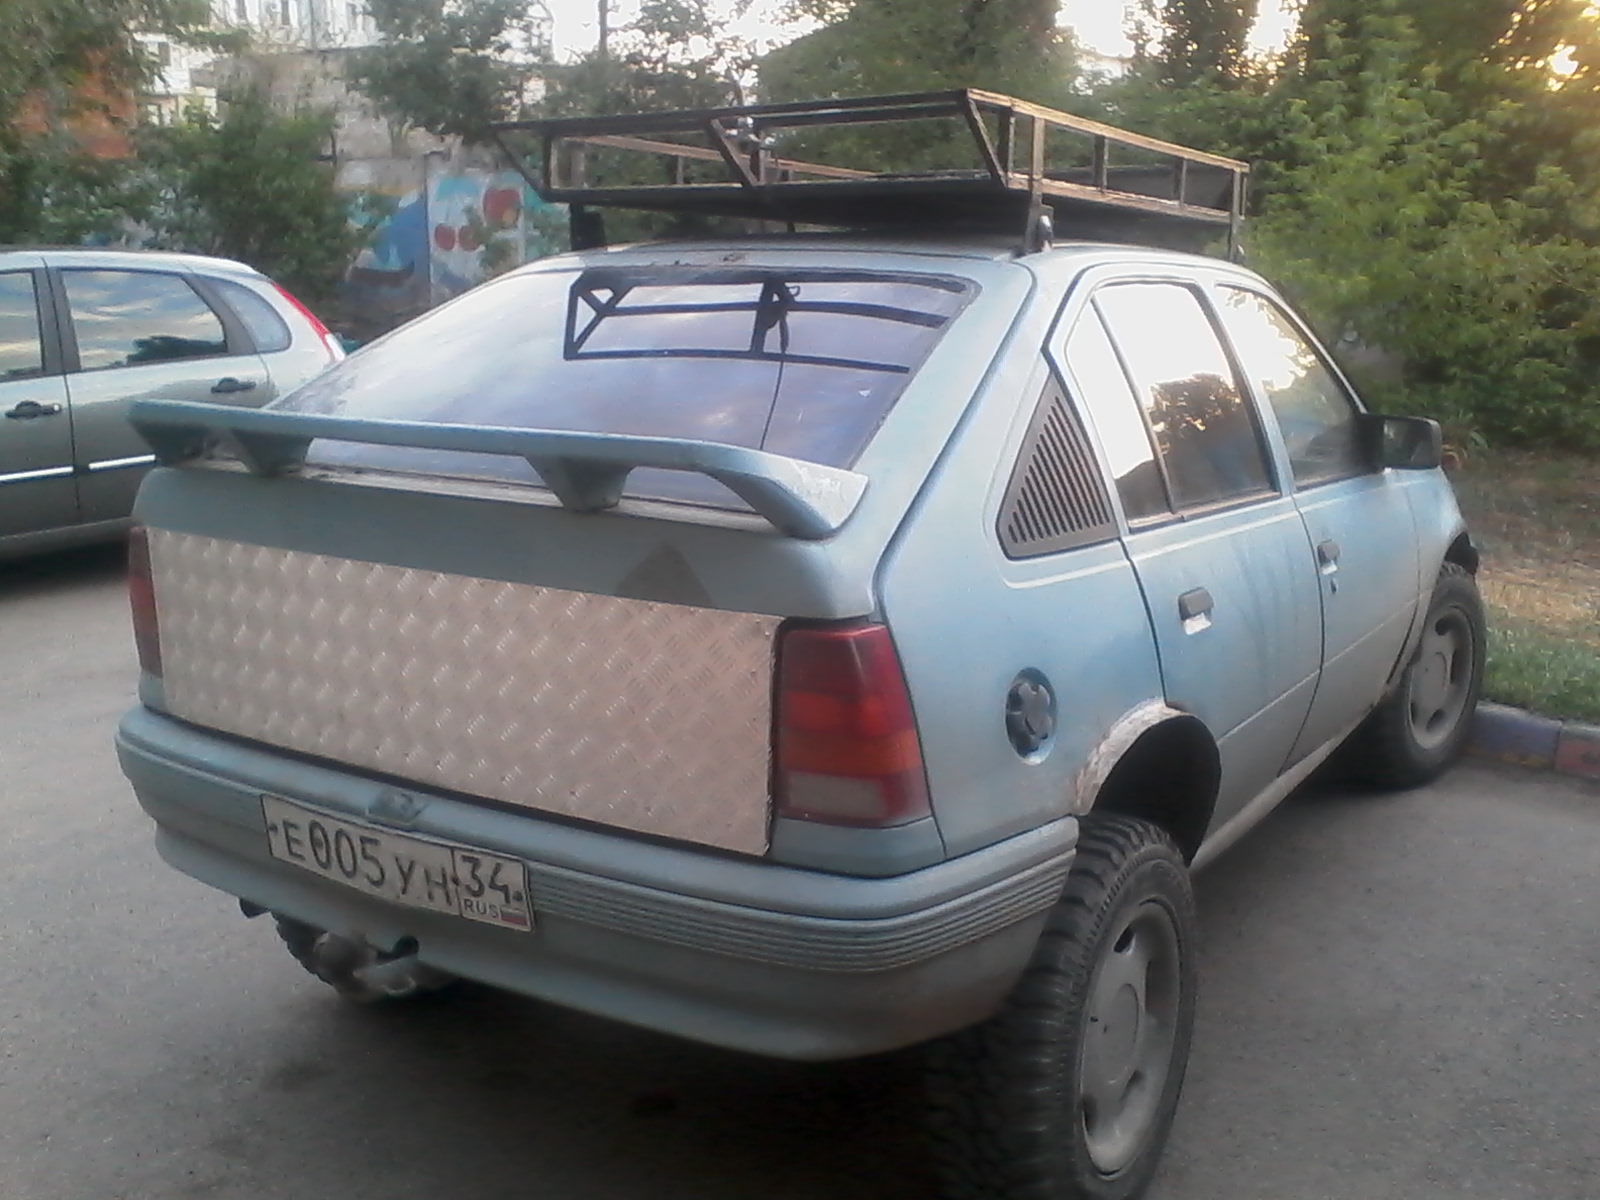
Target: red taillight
(846,739)
(142,596)
(331,342)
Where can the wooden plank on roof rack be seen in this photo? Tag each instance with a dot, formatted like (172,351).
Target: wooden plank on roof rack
(1125,137)
(700,153)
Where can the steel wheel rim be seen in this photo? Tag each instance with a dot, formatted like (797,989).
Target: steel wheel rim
(1130,1030)
(1440,680)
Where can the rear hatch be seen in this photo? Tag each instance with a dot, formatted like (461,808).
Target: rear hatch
(539,547)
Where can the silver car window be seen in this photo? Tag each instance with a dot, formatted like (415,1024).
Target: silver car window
(130,318)
(21,352)
(267,329)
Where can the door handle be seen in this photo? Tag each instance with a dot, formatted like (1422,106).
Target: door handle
(1194,604)
(29,409)
(229,384)
(1328,556)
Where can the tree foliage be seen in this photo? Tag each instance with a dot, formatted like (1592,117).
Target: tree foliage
(63,67)
(1198,39)
(1426,184)
(249,185)
(449,66)
(869,47)
(877,47)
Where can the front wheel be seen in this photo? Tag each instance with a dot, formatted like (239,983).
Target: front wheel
(1069,1091)
(1421,727)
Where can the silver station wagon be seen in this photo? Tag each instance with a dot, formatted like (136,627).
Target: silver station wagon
(85,332)
(811,643)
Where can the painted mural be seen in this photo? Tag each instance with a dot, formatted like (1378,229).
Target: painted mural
(435,242)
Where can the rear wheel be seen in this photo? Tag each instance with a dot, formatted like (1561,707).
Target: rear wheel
(1422,726)
(1068,1092)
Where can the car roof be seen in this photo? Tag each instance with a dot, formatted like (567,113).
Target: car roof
(105,256)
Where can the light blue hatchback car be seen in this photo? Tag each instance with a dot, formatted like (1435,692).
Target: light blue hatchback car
(813,644)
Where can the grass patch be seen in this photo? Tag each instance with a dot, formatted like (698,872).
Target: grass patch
(1536,518)
(1536,669)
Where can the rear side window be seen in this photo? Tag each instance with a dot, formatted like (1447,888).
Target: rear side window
(21,354)
(131,318)
(267,329)
(1205,429)
(800,363)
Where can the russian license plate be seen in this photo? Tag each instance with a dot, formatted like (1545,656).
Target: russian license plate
(407,870)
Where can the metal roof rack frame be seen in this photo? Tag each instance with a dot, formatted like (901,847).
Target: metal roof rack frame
(1176,195)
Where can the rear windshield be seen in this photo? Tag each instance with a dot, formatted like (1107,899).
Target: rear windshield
(800,363)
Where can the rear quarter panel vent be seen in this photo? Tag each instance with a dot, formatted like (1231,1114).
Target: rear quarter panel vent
(1056,499)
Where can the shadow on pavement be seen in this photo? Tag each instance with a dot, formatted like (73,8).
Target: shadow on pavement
(82,566)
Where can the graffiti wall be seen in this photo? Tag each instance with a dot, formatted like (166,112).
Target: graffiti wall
(456,228)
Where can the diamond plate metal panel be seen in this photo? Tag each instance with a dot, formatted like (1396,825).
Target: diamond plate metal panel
(651,717)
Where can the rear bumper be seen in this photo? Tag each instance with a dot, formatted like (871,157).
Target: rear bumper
(732,951)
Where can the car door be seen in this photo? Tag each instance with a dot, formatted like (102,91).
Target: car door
(1362,535)
(1219,549)
(136,332)
(37,488)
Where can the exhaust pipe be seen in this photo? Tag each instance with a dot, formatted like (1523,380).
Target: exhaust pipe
(363,972)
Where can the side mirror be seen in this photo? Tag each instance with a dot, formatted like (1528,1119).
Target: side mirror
(1403,443)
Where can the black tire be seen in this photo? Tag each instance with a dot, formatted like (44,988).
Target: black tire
(342,965)
(1422,726)
(1015,1109)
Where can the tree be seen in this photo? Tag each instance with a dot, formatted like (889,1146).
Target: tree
(250,186)
(868,47)
(1399,219)
(1200,39)
(64,66)
(449,66)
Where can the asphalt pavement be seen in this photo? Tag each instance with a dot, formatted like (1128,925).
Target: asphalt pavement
(1401,999)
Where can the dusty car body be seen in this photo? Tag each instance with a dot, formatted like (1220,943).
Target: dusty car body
(809,645)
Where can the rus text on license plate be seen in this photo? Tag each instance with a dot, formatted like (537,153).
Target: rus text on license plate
(407,870)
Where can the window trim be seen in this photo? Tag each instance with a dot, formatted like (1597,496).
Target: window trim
(234,339)
(1264,402)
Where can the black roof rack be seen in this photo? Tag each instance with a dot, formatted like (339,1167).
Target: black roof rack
(1037,169)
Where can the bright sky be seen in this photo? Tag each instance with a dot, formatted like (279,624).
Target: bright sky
(1099,23)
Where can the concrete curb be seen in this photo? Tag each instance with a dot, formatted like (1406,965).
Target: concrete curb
(1514,736)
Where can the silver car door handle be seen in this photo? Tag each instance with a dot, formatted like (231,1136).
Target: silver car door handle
(1328,556)
(28,409)
(229,384)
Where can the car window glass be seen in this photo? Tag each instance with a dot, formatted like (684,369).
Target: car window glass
(267,329)
(21,353)
(1314,412)
(802,363)
(1103,389)
(1205,431)
(130,318)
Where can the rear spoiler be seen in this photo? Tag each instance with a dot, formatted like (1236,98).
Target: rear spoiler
(586,471)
